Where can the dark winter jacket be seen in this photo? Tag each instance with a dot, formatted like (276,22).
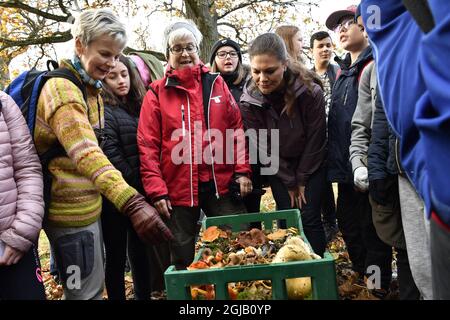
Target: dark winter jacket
(382,150)
(121,144)
(236,89)
(343,104)
(302,137)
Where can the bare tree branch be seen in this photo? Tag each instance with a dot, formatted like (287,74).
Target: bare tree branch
(253,2)
(23,6)
(57,37)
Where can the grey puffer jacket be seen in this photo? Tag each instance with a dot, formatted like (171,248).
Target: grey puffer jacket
(21,185)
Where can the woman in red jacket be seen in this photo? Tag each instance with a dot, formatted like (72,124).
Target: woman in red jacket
(187,161)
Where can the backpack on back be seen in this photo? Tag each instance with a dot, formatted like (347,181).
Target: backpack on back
(26,88)
(25,91)
(153,64)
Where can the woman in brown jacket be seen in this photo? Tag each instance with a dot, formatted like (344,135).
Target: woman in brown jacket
(282,98)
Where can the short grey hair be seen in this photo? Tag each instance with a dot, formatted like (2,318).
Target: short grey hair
(94,23)
(181,29)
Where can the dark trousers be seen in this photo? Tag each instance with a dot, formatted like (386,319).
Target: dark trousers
(440,260)
(328,205)
(159,256)
(183,224)
(407,287)
(365,248)
(118,236)
(23,280)
(311,212)
(252,201)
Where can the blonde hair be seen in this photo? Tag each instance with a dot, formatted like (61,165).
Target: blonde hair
(94,23)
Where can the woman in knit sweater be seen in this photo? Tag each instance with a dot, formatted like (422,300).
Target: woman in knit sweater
(21,207)
(82,173)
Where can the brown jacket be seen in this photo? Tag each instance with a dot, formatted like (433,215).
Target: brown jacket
(302,137)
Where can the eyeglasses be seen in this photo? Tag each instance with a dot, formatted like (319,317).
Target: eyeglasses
(178,50)
(345,24)
(223,54)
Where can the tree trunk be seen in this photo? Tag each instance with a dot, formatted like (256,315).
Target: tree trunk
(206,21)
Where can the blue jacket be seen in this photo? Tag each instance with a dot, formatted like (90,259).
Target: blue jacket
(382,157)
(414,77)
(343,104)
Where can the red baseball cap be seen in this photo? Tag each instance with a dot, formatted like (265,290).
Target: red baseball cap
(336,16)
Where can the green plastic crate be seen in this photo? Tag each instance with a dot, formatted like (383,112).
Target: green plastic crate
(322,272)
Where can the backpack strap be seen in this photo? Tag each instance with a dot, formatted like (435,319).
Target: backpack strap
(338,73)
(153,90)
(363,68)
(67,74)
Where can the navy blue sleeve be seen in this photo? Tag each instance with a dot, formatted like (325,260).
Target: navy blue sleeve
(379,147)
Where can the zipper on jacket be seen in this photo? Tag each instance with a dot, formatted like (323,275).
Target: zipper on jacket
(209,136)
(346,92)
(182,120)
(397,158)
(190,146)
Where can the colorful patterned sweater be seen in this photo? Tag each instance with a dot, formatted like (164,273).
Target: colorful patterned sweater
(79,179)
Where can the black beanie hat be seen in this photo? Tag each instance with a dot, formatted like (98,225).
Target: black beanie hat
(222,43)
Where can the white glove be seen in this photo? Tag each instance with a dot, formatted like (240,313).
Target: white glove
(360,178)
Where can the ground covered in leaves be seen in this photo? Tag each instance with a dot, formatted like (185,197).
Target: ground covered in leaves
(350,287)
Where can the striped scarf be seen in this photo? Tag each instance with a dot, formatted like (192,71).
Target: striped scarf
(87,79)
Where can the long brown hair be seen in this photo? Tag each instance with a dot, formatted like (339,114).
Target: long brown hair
(135,96)
(273,45)
(287,33)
